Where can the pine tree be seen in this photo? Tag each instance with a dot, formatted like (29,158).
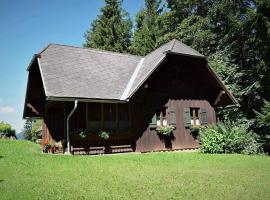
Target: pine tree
(111,30)
(27,130)
(148,28)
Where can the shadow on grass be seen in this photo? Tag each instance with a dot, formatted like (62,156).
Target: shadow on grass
(1,157)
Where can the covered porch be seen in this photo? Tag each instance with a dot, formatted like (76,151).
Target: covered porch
(86,123)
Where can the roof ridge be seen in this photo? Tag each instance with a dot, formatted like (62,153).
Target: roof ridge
(93,49)
(189,47)
(131,80)
(174,40)
(157,48)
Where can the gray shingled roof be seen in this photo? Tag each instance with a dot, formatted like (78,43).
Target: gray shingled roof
(95,74)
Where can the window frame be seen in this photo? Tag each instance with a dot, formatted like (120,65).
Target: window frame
(116,118)
(162,115)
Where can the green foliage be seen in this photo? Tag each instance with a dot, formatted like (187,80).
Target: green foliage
(194,31)
(229,138)
(111,30)
(6,130)
(104,135)
(148,28)
(263,121)
(165,130)
(32,129)
(263,117)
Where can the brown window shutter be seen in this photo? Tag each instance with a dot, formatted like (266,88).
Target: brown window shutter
(172,117)
(204,117)
(187,118)
(153,123)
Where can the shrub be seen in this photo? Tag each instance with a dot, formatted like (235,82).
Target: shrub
(165,130)
(229,138)
(263,122)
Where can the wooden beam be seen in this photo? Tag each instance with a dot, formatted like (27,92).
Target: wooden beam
(32,108)
(116,117)
(220,94)
(161,117)
(129,116)
(102,115)
(86,114)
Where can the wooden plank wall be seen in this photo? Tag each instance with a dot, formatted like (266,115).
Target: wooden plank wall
(148,140)
(180,83)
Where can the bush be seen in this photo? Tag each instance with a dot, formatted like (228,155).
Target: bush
(6,130)
(229,138)
(263,122)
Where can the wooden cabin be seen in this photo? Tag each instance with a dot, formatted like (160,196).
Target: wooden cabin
(79,92)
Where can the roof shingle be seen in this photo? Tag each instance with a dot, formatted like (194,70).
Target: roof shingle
(96,74)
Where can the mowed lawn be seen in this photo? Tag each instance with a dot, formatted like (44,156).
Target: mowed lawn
(26,173)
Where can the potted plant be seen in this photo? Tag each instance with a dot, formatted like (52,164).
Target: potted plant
(104,135)
(165,130)
(46,147)
(52,146)
(58,146)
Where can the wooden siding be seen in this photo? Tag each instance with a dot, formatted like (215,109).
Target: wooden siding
(53,122)
(180,83)
(147,139)
(35,95)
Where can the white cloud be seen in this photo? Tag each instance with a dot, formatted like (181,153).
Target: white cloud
(6,109)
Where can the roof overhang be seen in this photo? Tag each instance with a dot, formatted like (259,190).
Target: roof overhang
(79,99)
(182,54)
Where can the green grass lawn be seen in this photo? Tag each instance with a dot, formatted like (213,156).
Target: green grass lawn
(26,173)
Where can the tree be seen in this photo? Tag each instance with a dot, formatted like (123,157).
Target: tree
(196,32)
(31,129)
(263,118)
(6,130)
(111,30)
(263,121)
(148,28)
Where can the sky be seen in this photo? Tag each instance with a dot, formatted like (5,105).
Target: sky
(26,27)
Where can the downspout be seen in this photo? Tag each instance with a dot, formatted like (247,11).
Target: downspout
(68,136)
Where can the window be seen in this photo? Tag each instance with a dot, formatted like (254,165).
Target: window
(123,117)
(195,117)
(107,116)
(94,121)
(163,117)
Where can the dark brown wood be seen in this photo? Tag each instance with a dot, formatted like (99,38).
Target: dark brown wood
(175,85)
(116,116)
(35,95)
(102,115)
(219,97)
